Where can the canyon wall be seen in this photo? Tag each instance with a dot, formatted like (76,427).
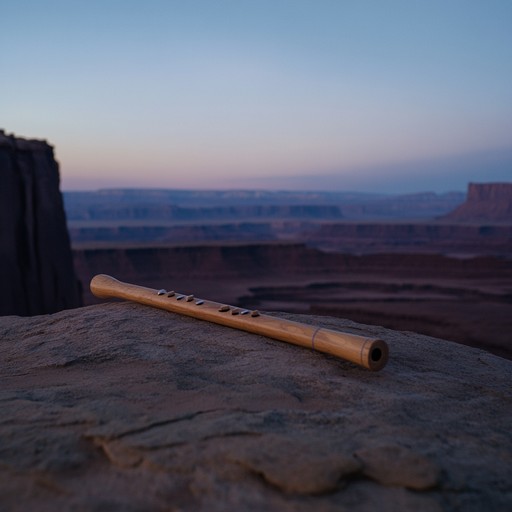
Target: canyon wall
(486,202)
(112,236)
(165,212)
(127,205)
(352,237)
(214,266)
(36,266)
(442,237)
(152,265)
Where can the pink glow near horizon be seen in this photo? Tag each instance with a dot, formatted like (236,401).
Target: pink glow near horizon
(224,93)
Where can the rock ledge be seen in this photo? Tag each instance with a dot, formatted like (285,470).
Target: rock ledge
(125,407)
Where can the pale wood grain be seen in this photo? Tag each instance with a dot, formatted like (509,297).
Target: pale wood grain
(370,353)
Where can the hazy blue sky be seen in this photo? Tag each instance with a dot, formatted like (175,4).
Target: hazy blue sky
(379,95)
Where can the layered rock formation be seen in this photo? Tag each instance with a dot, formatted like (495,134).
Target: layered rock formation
(127,212)
(340,236)
(112,236)
(486,202)
(156,266)
(36,269)
(159,266)
(445,237)
(122,407)
(123,205)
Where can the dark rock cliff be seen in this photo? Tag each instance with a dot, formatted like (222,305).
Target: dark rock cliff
(488,202)
(36,267)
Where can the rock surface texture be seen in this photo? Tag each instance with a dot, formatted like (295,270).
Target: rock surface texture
(122,407)
(36,267)
(486,202)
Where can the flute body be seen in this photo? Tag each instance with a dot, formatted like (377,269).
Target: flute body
(370,353)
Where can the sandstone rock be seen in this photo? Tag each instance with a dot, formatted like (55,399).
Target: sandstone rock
(36,267)
(295,465)
(125,407)
(486,202)
(397,465)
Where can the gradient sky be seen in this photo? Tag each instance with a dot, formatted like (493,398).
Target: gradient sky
(381,95)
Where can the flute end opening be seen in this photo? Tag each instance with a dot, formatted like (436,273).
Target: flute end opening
(378,356)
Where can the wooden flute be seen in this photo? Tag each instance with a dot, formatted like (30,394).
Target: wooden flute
(367,352)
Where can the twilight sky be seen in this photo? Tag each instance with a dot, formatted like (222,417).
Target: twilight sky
(369,95)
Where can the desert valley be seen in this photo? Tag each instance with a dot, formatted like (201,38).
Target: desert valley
(437,264)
